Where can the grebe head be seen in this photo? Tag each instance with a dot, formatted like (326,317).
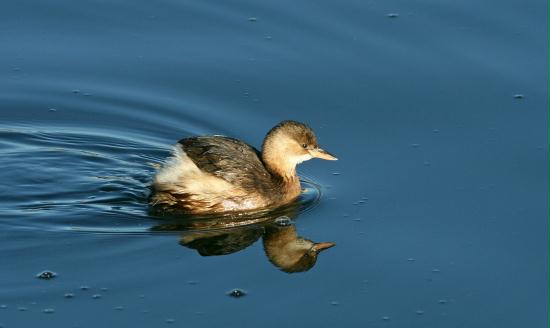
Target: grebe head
(290,143)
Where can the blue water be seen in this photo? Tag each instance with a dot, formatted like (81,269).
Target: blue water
(438,204)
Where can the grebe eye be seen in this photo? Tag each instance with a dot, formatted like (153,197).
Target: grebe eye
(304,145)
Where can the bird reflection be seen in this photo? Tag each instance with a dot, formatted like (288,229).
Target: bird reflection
(226,235)
(290,252)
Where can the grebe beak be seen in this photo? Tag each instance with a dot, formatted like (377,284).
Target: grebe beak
(318,247)
(322,154)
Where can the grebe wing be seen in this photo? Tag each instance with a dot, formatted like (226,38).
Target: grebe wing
(226,158)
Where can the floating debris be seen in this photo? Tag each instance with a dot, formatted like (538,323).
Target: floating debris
(84,287)
(46,275)
(68,295)
(96,296)
(392,15)
(252,19)
(519,96)
(237,293)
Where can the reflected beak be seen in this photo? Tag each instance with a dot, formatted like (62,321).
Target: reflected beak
(318,247)
(322,154)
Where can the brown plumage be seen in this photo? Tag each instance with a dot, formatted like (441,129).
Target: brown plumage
(216,174)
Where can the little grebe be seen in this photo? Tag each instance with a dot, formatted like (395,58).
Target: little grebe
(216,174)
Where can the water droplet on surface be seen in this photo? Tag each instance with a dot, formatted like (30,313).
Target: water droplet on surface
(46,275)
(237,293)
(283,221)
(68,295)
(48,311)
(392,15)
(96,296)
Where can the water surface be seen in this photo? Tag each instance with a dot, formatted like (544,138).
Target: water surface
(438,204)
